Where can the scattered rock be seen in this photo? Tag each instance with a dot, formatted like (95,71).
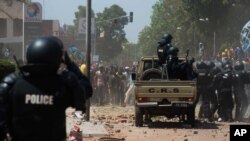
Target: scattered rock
(109,117)
(117,130)
(175,130)
(195,132)
(109,126)
(121,120)
(79,122)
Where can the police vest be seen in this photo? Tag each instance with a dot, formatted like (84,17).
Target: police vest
(225,82)
(204,77)
(38,106)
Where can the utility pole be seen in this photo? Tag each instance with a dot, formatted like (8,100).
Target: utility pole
(195,47)
(214,45)
(88,56)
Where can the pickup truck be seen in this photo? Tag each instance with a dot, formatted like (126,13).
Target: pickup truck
(155,96)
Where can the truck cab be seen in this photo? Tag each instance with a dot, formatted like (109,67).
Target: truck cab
(155,96)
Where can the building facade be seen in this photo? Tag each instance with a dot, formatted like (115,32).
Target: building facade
(11,28)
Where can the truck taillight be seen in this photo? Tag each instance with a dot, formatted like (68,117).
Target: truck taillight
(142,99)
(186,99)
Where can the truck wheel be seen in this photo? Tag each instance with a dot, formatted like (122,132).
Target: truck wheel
(138,117)
(151,74)
(191,116)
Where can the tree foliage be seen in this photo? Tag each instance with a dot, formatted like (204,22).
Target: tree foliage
(111,23)
(6,67)
(213,22)
(225,21)
(168,17)
(81,13)
(128,55)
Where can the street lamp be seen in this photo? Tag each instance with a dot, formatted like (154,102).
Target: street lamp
(214,44)
(201,20)
(214,36)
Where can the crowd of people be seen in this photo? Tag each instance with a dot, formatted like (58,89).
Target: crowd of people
(222,86)
(50,88)
(221,82)
(110,84)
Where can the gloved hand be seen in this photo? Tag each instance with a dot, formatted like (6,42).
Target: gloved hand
(71,66)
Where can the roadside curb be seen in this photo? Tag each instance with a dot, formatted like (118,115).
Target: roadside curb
(88,128)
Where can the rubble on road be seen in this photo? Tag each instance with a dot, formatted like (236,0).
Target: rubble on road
(111,123)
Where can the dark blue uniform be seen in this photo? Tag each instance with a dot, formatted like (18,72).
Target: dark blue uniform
(162,49)
(213,96)
(241,100)
(35,104)
(224,85)
(205,89)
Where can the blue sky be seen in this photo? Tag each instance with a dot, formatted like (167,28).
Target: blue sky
(63,10)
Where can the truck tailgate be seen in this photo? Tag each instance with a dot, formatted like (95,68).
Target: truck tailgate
(170,91)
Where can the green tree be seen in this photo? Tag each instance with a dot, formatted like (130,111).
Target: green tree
(81,13)
(146,43)
(168,17)
(71,31)
(149,36)
(111,23)
(186,21)
(131,50)
(128,55)
(6,67)
(225,18)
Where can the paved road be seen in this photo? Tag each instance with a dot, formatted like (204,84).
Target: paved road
(118,122)
(91,128)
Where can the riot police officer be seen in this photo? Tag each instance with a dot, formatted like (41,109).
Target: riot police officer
(172,67)
(224,84)
(163,46)
(204,88)
(241,100)
(173,62)
(33,101)
(213,71)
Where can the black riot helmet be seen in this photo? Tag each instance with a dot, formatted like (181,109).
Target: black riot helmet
(173,51)
(201,65)
(210,64)
(239,65)
(47,50)
(166,39)
(226,63)
(227,66)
